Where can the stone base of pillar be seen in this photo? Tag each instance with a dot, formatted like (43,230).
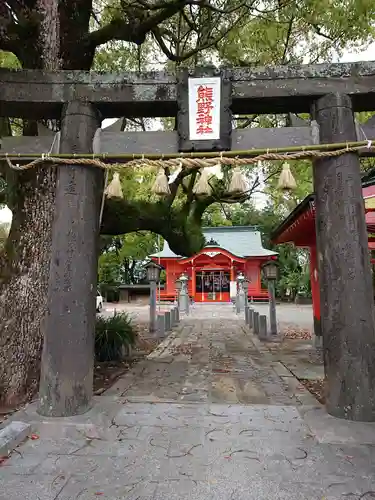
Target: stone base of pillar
(318,341)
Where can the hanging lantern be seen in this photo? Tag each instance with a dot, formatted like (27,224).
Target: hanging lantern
(202,186)
(286,180)
(161,186)
(238,183)
(114,189)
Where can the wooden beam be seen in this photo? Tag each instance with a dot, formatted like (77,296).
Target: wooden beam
(167,142)
(39,94)
(274,89)
(292,89)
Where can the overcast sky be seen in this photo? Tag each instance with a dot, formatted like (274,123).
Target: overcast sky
(365,55)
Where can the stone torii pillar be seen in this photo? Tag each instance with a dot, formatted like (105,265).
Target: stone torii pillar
(66,382)
(346,294)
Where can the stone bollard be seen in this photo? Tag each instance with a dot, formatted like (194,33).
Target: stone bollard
(177,314)
(263,327)
(238,305)
(168,325)
(256,323)
(247,311)
(251,318)
(160,325)
(173,321)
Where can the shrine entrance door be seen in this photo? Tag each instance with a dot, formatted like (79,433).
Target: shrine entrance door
(212,286)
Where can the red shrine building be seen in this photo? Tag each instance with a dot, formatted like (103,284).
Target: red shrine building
(299,228)
(212,272)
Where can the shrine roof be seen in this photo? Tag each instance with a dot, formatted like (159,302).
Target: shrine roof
(279,235)
(299,226)
(242,241)
(368,178)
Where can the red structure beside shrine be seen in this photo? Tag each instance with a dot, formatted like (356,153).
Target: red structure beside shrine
(299,228)
(212,271)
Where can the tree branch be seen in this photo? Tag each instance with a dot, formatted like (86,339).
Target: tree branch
(199,3)
(135,30)
(173,224)
(117,29)
(286,45)
(200,47)
(319,32)
(9,30)
(212,8)
(138,22)
(179,181)
(247,121)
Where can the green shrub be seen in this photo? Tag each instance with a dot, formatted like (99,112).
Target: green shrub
(112,334)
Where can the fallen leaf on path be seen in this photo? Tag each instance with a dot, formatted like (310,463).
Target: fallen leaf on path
(293,332)
(316,387)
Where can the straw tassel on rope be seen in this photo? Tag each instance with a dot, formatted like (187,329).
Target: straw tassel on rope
(161,186)
(202,186)
(238,183)
(114,189)
(286,179)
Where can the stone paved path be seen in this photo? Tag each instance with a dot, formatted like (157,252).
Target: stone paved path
(210,358)
(207,417)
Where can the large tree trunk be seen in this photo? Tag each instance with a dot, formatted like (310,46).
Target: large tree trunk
(24,280)
(24,267)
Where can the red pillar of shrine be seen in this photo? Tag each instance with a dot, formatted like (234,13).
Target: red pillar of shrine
(315,292)
(193,281)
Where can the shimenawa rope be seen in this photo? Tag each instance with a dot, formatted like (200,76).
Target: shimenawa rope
(188,162)
(286,180)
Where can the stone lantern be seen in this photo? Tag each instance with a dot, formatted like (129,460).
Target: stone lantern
(153,276)
(271,273)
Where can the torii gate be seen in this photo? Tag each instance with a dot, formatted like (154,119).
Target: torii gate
(330,93)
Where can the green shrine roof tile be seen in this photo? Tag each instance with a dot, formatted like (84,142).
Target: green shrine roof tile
(242,241)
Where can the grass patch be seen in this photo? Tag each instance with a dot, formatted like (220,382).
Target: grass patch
(112,335)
